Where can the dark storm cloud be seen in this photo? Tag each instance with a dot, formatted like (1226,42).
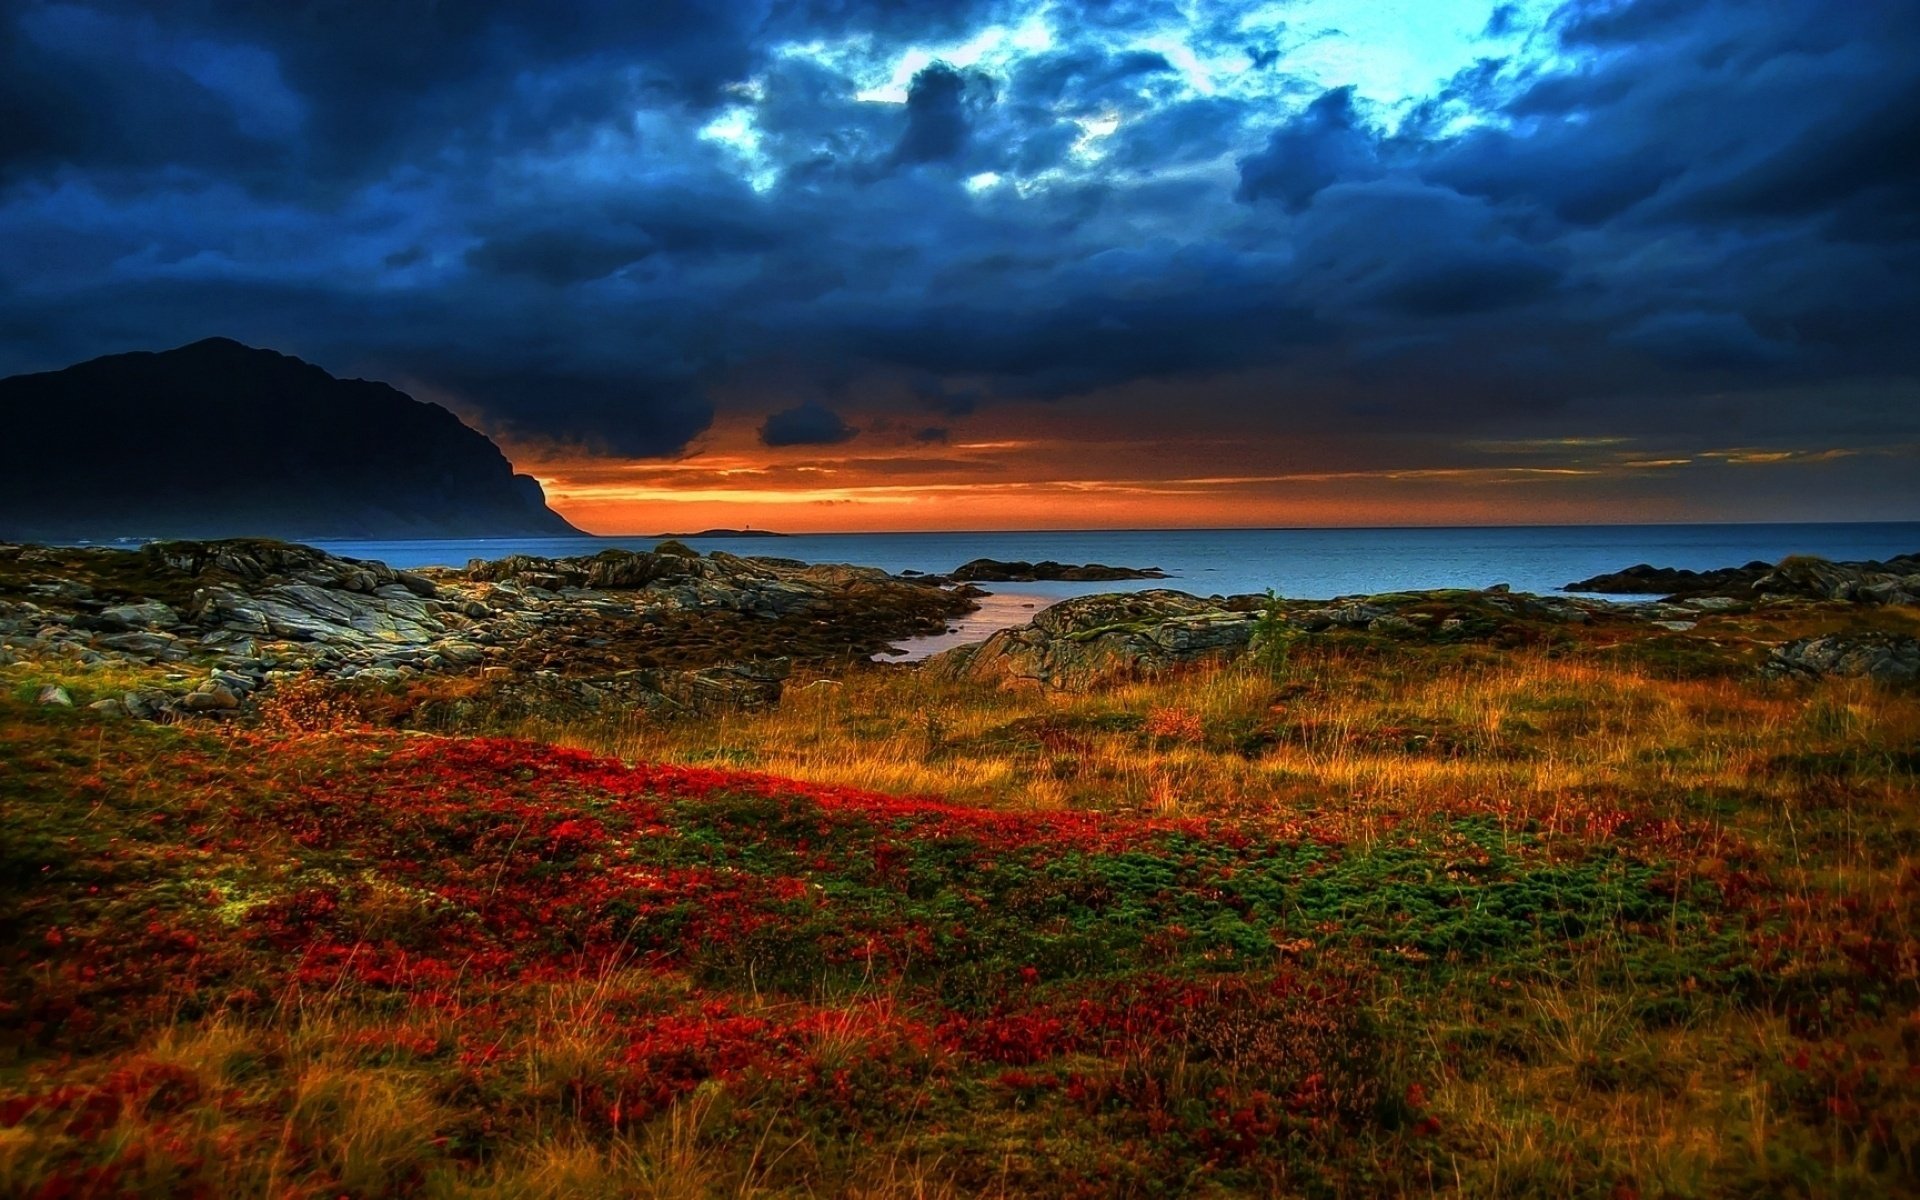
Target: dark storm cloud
(586,222)
(95,90)
(1418,250)
(1702,341)
(560,256)
(809,424)
(1324,146)
(941,107)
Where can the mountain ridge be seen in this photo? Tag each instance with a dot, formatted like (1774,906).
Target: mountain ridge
(219,439)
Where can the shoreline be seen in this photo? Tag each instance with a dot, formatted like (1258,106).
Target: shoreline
(996,611)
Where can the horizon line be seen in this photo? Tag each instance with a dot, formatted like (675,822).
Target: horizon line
(1234,528)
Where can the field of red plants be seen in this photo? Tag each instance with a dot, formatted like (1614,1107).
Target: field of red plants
(372,964)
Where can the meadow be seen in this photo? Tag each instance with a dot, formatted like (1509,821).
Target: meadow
(1377,919)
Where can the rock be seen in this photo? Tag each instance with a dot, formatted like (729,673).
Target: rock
(1078,643)
(1355,615)
(251,604)
(1884,658)
(1895,581)
(1645,579)
(460,654)
(54,695)
(993,570)
(143,705)
(148,614)
(234,682)
(211,697)
(1818,579)
(727,686)
(142,643)
(419,585)
(1392,626)
(108,707)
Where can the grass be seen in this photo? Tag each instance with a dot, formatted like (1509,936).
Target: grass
(1533,921)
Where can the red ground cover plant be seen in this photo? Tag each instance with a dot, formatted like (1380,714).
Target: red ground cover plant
(227,948)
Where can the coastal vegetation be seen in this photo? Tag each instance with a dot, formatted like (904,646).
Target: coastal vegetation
(1544,908)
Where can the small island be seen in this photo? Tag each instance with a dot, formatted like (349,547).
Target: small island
(993,570)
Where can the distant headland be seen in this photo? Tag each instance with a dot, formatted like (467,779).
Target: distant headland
(217,439)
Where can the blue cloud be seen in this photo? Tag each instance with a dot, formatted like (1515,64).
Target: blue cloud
(590,223)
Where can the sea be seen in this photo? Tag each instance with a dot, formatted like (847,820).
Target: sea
(1300,563)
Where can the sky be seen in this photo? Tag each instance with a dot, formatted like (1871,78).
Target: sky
(972,264)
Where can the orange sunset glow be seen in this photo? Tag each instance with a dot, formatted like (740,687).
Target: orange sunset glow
(1038,476)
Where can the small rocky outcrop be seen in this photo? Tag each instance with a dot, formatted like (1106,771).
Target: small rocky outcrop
(1078,643)
(993,570)
(1894,581)
(1883,658)
(1645,579)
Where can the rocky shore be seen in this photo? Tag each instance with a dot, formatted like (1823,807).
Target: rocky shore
(1081,643)
(664,630)
(203,628)
(1895,581)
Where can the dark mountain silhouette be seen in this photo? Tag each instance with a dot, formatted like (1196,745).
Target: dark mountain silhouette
(217,439)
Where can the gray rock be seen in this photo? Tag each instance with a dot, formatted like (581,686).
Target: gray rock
(235,682)
(460,654)
(108,707)
(1355,615)
(1081,642)
(141,643)
(55,695)
(211,697)
(1884,658)
(1392,626)
(148,614)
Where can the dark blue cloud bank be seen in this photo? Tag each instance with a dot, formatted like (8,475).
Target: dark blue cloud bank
(1684,223)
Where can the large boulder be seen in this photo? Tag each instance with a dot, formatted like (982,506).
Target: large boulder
(305,612)
(1884,658)
(1082,642)
(1818,579)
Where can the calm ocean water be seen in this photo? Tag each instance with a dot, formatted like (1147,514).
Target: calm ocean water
(1315,563)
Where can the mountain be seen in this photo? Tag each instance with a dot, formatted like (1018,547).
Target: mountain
(217,439)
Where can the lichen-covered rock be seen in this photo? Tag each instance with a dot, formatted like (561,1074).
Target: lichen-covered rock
(1079,643)
(1861,583)
(1884,658)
